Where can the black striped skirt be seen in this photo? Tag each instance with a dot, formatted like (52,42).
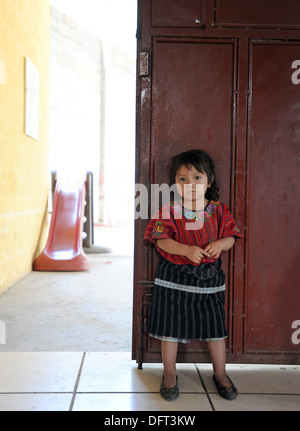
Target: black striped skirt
(184,316)
(180,315)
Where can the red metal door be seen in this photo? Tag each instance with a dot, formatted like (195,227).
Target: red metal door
(211,84)
(272,281)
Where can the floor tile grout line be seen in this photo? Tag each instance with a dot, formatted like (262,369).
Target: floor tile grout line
(77,382)
(133,392)
(37,393)
(289,394)
(205,388)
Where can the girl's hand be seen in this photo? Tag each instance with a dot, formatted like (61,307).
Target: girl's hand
(215,247)
(195,254)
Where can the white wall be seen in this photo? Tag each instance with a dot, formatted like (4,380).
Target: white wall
(76,125)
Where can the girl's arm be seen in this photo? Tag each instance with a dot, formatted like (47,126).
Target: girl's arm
(193,253)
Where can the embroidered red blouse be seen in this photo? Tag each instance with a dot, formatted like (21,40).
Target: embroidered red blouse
(191,228)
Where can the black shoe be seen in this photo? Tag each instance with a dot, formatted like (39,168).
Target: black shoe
(227,393)
(169,394)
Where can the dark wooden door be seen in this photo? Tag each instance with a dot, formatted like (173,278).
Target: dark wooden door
(212,84)
(272,280)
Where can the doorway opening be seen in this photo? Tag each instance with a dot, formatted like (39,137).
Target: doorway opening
(92,116)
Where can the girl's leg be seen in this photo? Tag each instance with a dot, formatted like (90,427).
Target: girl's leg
(217,350)
(169,354)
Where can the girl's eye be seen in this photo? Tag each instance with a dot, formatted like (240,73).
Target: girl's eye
(181,179)
(198,177)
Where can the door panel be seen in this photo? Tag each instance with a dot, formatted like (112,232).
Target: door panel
(273,294)
(193,86)
(262,13)
(177,13)
(192,89)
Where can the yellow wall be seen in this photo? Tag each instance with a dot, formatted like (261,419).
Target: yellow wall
(24,32)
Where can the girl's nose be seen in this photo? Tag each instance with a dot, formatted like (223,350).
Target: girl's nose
(190,186)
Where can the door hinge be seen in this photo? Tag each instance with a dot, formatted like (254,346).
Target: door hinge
(146,282)
(144,63)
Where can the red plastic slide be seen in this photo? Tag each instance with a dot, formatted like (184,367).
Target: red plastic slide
(63,251)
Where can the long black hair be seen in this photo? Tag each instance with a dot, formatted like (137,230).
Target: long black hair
(202,162)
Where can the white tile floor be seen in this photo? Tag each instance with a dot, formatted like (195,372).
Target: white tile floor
(102,381)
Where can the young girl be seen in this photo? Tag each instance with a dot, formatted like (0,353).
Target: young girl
(188,297)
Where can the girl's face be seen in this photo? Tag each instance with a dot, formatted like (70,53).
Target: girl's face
(191,186)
